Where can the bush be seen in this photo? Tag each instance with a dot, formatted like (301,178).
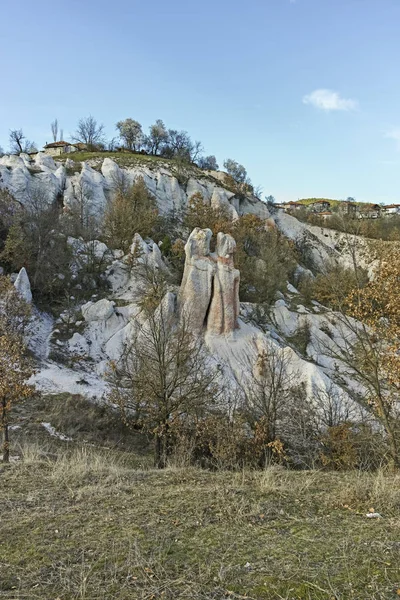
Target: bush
(221,442)
(9,211)
(132,210)
(200,214)
(266,259)
(353,445)
(333,287)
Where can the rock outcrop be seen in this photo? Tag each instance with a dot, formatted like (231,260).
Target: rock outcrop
(198,276)
(97,180)
(209,294)
(98,311)
(224,308)
(23,286)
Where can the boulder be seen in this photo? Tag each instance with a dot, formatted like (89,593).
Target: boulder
(45,160)
(23,286)
(98,311)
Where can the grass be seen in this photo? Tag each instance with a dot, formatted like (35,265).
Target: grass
(127,159)
(91,520)
(88,525)
(333,202)
(124,159)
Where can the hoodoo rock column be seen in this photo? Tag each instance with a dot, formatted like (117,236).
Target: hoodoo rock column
(224,309)
(197,283)
(209,294)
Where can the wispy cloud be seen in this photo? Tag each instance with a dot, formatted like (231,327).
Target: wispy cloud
(329,100)
(394,134)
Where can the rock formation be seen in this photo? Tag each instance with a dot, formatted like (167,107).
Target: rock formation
(23,286)
(197,283)
(224,308)
(209,294)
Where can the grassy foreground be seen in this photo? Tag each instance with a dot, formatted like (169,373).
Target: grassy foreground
(85,524)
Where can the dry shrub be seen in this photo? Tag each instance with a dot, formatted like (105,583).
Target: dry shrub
(85,465)
(222,443)
(352,446)
(333,286)
(365,491)
(200,214)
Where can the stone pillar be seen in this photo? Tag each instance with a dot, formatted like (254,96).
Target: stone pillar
(197,283)
(224,309)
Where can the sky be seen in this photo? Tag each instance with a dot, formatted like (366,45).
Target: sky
(304,93)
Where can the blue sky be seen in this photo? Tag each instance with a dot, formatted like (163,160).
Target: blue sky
(304,93)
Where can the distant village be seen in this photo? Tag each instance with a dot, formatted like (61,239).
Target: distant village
(354,210)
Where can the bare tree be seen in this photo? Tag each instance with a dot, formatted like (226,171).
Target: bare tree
(19,143)
(89,132)
(208,163)
(54,129)
(267,393)
(163,378)
(83,212)
(61,134)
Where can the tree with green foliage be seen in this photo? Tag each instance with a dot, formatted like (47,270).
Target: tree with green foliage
(132,210)
(157,137)
(130,131)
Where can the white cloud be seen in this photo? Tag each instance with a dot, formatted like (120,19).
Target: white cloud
(394,134)
(329,100)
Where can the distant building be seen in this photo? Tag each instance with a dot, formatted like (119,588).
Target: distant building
(291,206)
(349,208)
(391,209)
(325,214)
(319,206)
(57,148)
(370,211)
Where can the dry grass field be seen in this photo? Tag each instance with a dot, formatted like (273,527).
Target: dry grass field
(89,520)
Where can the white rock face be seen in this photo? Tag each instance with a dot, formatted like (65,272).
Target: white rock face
(99,186)
(98,311)
(45,160)
(12,161)
(78,345)
(327,245)
(23,286)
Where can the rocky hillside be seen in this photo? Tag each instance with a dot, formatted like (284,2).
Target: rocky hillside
(97,178)
(75,349)
(172,185)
